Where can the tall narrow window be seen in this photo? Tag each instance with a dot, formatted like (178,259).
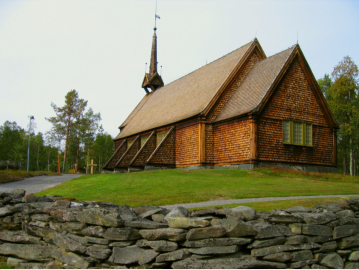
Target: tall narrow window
(129,143)
(143,140)
(308,134)
(297,133)
(160,137)
(286,132)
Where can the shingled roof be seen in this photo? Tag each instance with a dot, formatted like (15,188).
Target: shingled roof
(255,86)
(183,98)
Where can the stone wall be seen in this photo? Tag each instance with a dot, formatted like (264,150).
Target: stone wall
(55,232)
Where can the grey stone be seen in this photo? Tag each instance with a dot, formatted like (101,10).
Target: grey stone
(95,231)
(146,208)
(214,250)
(178,212)
(353,204)
(308,246)
(122,244)
(296,240)
(130,255)
(121,234)
(234,263)
(100,217)
(18,193)
(159,245)
(344,253)
(184,223)
(296,209)
(27,252)
(313,229)
(19,237)
(354,256)
(352,265)
(345,213)
(318,266)
(345,230)
(278,257)
(15,261)
(242,212)
(171,234)
(30,265)
(203,212)
(260,252)
(302,255)
(39,224)
(29,198)
(66,243)
(320,238)
(160,218)
(95,240)
(77,238)
(37,231)
(180,254)
(331,207)
(53,265)
(67,226)
(145,224)
(98,252)
(333,261)
(285,219)
(317,218)
(295,228)
(227,223)
(349,242)
(265,230)
(203,233)
(61,204)
(7,210)
(328,247)
(70,258)
(240,229)
(150,213)
(297,265)
(267,243)
(210,242)
(160,265)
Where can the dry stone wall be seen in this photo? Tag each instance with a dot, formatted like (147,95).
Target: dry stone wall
(56,232)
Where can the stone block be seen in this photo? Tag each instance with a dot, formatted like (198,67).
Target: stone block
(260,252)
(333,261)
(177,212)
(171,234)
(265,230)
(302,255)
(70,258)
(345,231)
(27,252)
(69,244)
(278,257)
(242,212)
(349,242)
(214,250)
(177,255)
(210,242)
(184,223)
(159,245)
(313,229)
(354,256)
(267,243)
(203,233)
(102,217)
(144,224)
(98,252)
(130,255)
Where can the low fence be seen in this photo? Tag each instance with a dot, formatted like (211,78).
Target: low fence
(55,232)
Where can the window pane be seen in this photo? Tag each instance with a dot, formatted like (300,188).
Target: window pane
(308,134)
(297,133)
(160,137)
(143,140)
(129,144)
(286,132)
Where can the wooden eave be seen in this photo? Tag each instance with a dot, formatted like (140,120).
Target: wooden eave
(118,148)
(255,47)
(128,149)
(297,52)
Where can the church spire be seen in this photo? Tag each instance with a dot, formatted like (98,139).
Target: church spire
(152,79)
(153,64)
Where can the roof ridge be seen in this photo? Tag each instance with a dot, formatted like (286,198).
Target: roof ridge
(209,63)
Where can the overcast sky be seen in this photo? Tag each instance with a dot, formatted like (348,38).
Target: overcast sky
(100,48)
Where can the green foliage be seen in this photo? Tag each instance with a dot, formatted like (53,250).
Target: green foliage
(185,186)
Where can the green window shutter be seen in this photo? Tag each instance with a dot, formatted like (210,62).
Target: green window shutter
(286,132)
(308,134)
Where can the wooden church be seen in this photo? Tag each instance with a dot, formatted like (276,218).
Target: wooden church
(244,110)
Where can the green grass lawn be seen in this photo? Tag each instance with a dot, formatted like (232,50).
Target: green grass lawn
(186,186)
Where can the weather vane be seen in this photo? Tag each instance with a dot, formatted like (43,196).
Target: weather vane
(156,16)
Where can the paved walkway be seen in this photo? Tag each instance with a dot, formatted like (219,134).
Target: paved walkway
(38,183)
(224,202)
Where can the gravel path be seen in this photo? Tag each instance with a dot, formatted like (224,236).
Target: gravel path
(38,183)
(224,202)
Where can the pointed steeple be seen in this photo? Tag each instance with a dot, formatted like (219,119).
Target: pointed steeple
(153,80)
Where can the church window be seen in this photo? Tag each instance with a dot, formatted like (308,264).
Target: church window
(143,140)
(160,137)
(129,143)
(297,133)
